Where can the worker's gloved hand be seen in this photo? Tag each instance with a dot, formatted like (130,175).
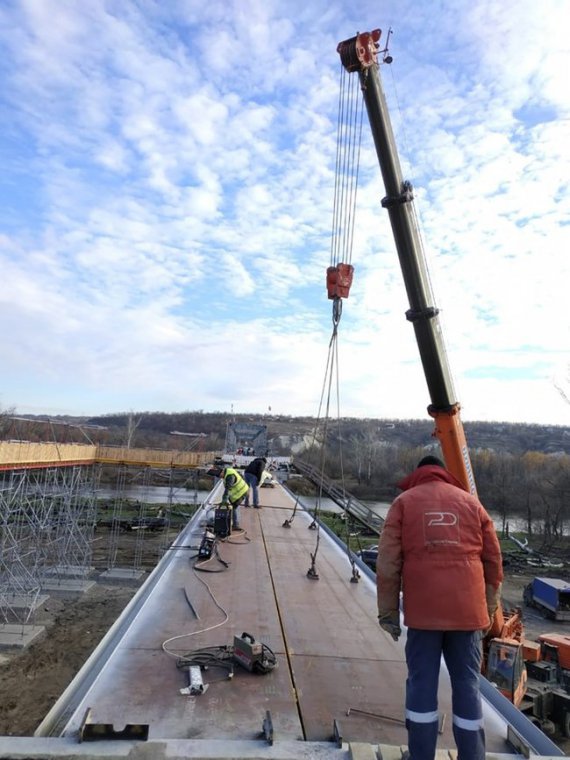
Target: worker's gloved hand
(492,597)
(390,622)
(224,503)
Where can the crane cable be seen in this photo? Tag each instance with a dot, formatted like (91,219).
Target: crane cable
(349,138)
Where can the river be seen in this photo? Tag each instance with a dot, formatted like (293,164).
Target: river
(160,495)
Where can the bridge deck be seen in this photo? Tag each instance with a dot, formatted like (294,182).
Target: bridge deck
(331,654)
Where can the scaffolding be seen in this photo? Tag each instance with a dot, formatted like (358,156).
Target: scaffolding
(50,518)
(47,521)
(136,516)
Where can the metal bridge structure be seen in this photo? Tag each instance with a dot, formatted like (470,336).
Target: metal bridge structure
(49,510)
(165,682)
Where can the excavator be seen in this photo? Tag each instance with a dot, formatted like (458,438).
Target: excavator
(503,662)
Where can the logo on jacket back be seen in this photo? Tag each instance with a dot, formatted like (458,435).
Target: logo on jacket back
(441,528)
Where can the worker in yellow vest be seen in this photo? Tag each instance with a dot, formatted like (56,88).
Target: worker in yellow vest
(235,490)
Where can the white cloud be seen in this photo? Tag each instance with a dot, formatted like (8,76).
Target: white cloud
(169,197)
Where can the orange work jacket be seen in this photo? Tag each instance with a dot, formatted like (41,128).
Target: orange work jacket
(440,547)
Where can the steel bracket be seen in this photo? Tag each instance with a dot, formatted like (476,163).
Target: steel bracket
(91,732)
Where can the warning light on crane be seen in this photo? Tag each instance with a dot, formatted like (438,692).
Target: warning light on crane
(339,280)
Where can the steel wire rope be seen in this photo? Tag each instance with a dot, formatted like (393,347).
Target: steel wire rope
(344,139)
(348,136)
(351,168)
(334,238)
(315,432)
(332,362)
(349,140)
(356,169)
(346,177)
(344,165)
(355,573)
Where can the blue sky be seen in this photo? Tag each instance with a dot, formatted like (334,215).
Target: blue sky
(166,206)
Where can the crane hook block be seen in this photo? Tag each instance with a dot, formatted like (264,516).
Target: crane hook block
(339,280)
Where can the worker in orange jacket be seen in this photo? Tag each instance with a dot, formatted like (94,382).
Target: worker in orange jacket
(440,548)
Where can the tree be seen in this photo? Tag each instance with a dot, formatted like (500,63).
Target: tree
(6,421)
(132,425)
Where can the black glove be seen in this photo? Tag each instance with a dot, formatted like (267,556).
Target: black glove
(390,622)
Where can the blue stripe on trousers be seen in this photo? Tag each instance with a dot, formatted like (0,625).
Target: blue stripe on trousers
(462,653)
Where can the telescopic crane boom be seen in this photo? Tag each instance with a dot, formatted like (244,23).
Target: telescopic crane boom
(360,54)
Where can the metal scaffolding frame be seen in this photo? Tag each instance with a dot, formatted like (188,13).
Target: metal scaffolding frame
(137,515)
(47,521)
(48,518)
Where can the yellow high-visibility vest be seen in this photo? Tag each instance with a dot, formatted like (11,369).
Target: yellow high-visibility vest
(238,489)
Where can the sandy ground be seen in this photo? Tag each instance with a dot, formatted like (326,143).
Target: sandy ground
(32,680)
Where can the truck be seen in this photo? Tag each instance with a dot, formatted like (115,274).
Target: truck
(549,595)
(503,662)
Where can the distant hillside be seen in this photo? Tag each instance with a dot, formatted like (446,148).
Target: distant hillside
(285,433)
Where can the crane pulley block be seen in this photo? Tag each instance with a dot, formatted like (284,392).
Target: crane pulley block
(339,280)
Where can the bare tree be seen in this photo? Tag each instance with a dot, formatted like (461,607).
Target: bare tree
(6,421)
(132,425)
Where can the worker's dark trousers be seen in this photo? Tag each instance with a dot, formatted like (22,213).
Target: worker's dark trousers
(462,653)
(235,505)
(252,482)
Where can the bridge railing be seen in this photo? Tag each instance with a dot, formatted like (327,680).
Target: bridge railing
(340,496)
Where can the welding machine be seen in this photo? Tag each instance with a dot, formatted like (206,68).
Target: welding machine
(247,651)
(253,655)
(223,522)
(207,545)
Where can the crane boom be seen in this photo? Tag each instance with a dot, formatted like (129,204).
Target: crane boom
(360,54)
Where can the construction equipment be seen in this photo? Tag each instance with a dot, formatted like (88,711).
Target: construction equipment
(360,54)
(548,660)
(503,662)
(206,545)
(558,642)
(549,595)
(223,521)
(253,655)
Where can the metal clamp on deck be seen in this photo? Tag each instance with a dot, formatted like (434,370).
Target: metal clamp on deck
(90,732)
